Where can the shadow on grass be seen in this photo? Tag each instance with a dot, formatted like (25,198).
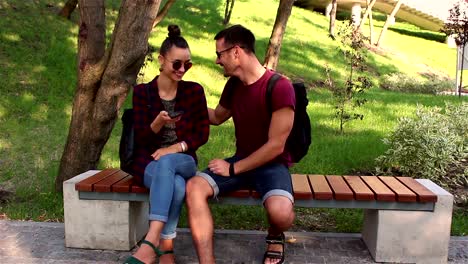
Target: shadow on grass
(38,58)
(196,18)
(39,54)
(429,35)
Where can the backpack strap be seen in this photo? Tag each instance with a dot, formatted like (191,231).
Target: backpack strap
(269,91)
(148,94)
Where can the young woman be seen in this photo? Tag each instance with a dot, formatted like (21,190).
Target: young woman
(170,124)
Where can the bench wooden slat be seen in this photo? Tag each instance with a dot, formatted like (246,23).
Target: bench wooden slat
(255,194)
(382,192)
(424,194)
(360,189)
(105,184)
(403,194)
(320,187)
(139,189)
(306,188)
(340,189)
(123,186)
(86,185)
(301,187)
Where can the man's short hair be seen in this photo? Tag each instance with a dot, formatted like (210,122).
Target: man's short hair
(238,35)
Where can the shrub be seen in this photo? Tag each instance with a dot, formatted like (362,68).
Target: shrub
(403,83)
(434,146)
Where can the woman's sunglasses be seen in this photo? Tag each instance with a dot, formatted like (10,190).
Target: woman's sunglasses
(178,63)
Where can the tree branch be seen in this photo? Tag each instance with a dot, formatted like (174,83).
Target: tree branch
(163,12)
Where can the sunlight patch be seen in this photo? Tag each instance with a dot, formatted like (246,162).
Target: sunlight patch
(194,9)
(28,97)
(4,144)
(40,68)
(39,163)
(68,110)
(12,37)
(41,113)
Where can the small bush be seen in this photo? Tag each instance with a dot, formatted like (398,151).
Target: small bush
(404,83)
(434,146)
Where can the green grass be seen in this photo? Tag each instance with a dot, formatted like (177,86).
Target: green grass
(38,80)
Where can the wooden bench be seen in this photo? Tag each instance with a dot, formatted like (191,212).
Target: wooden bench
(400,211)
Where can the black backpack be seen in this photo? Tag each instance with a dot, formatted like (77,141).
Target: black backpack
(127,143)
(300,138)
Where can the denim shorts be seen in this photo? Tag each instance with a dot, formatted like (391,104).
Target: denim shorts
(272,179)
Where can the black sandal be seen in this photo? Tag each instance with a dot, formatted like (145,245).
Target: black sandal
(157,251)
(273,254)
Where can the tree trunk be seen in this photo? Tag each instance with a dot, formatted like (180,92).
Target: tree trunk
(228,11)
(163,12)
(368,12)
(331,28)
(461,71)
(274,46)
(104,78)
(389,18)
(371,28)
(68,9)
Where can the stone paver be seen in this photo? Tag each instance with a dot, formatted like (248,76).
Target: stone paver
(35,242)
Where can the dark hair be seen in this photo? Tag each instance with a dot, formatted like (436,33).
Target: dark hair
(174,39)
(238,35)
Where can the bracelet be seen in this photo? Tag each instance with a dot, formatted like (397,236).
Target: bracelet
(182,146)
(231,170)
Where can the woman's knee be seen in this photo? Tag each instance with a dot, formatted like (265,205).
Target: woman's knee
(166,161)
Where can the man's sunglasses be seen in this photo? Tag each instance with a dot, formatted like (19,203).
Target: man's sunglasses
(219,53)
(178,63)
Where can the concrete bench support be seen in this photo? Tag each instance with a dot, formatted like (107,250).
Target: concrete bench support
(410,236)
(102,224)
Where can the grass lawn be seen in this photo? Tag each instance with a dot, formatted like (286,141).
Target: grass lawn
(38,80)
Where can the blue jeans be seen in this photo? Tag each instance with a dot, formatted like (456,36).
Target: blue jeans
(166,180)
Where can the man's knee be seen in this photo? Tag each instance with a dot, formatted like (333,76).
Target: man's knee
(197,188)
(279,208)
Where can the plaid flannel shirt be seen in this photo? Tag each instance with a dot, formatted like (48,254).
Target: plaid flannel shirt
(193,127)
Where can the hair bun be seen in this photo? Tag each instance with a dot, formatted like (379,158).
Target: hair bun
(174,31)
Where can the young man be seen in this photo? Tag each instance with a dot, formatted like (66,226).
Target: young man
(261,160)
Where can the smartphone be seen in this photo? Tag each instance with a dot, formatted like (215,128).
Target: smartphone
(175,114)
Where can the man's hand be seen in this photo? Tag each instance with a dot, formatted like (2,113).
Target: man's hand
(220,167)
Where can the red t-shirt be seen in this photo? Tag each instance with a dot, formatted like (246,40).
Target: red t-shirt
(250,114)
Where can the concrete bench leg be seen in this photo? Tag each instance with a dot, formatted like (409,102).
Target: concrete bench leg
(101,224)
(410,236)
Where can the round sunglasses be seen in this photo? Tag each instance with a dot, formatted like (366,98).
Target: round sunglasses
(178,63)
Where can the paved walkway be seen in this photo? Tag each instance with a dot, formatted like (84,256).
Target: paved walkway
(35,242)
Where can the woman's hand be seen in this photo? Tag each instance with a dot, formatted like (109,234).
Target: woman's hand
(162,119)
(163,151)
